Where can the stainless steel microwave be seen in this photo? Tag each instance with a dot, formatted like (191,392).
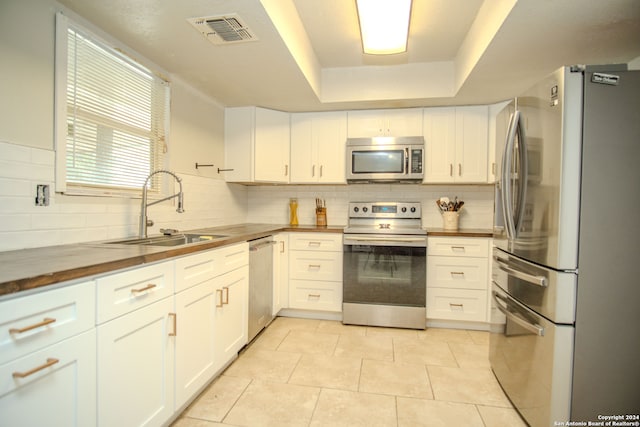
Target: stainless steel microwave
(385,159)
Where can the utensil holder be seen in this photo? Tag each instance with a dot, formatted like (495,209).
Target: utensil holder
(321,217)
(450,220)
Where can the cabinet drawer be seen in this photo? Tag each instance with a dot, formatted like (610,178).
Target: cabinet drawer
(200,267)
(123,292)
(55,386)
(459,246)
(32,322)
(195,269)
(231,257)
(315,242)
(315,265)
(456,304)
(457,272)
(315,295)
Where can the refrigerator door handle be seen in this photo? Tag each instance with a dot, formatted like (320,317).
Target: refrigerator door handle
(536,329)
(530,278)
(523,173)
(505,179)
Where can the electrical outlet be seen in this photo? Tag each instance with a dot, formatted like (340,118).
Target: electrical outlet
(42,195)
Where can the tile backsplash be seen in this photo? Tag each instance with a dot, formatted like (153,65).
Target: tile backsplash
(73,219)
(270,204)
(208,202)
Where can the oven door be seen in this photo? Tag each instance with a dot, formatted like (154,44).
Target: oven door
(385,270)
(532,359)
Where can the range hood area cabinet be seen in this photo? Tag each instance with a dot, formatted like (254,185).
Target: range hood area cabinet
(395,122)
(318,147)
(256,145)
(456,144)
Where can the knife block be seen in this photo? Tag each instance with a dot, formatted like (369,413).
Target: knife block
(321,217)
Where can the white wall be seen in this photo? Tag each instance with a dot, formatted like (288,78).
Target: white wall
(27,144)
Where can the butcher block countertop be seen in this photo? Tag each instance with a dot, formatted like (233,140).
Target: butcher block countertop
(29,269)
(462,232)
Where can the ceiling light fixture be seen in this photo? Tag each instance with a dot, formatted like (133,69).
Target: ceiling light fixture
(384,25)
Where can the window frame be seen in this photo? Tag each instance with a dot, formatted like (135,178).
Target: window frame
(64,20)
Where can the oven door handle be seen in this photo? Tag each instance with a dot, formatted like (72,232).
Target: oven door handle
(536,329)
(536,280)
(354,240)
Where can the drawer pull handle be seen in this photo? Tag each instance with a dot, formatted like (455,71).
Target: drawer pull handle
(45,321)
(460,248)
(225,289)
(175,325)
(455,305)
(314,265)
(314,295)
(219,293)
(314,243)
(146,288)
(457,273)
(50,362)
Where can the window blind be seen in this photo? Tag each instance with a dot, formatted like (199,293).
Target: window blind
(115,117)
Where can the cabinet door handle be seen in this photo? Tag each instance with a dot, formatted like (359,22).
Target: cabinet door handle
(282,247)
(219,294)
(50,362)
(313,171)
(459,169)
(493,168)
(450,169)
(146,288)
(175,325)
(45,321)
(321,166)
(225,290)
(286,170)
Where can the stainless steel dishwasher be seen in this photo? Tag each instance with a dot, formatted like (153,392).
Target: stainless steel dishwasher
(260,284)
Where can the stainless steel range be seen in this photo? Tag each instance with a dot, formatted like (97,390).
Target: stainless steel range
(385,265)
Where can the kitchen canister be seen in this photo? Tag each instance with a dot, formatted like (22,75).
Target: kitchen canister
(293,211)
(450,220)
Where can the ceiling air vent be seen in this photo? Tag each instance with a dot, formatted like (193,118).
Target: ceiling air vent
(223,29)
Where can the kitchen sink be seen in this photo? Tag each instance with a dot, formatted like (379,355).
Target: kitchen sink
(169,240)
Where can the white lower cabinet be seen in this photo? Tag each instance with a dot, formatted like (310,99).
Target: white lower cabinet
(52,387)
(48,358)
(136,366)
(315,271)
(457,278)
(195,339)
(231,316)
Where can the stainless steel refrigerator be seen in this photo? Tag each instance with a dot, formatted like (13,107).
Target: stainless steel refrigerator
(565,341)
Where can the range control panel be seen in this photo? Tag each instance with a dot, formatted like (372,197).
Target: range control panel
(384,210)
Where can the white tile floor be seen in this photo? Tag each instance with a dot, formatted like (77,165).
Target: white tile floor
(302,372)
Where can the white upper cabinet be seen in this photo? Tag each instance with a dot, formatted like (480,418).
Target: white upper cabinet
(256,145)
(456,149)
(396,122)
(318,147)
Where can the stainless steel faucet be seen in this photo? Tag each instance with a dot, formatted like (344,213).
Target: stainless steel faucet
(144,221)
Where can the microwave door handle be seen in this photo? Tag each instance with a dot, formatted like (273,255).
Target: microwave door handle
(406,161)
(536,329)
